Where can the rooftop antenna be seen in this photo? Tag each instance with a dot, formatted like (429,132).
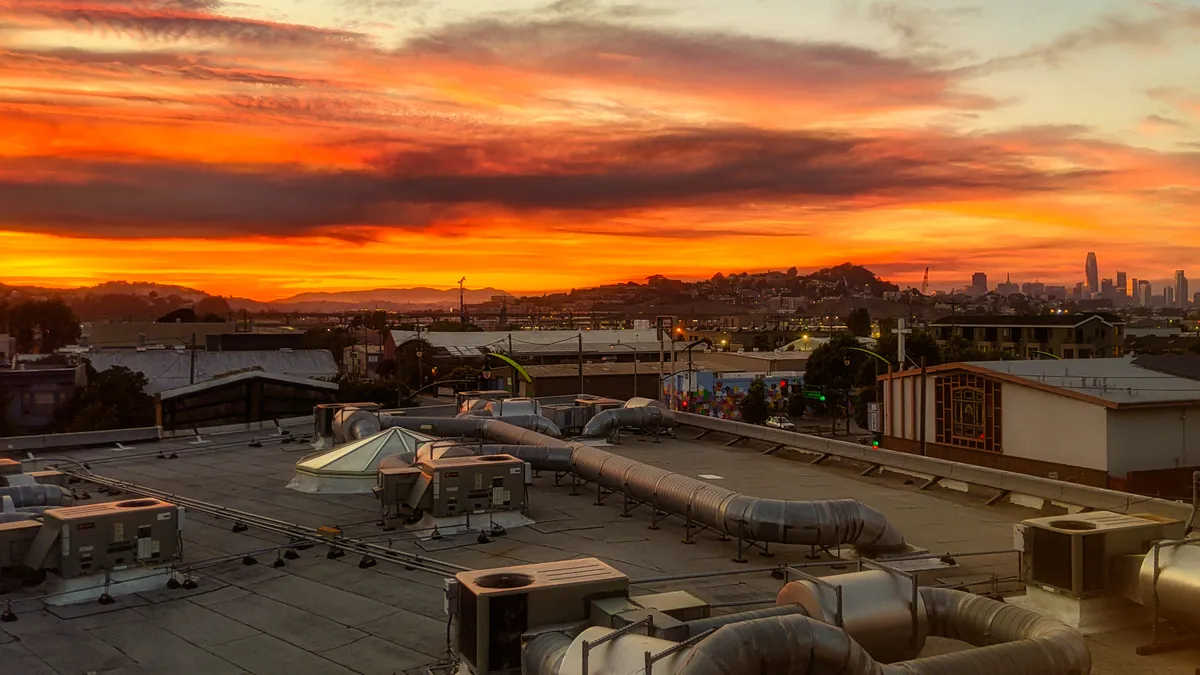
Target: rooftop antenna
(462,307)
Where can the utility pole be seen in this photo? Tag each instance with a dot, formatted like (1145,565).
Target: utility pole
(462,307)
(924,415)
(192,379)
(581,363)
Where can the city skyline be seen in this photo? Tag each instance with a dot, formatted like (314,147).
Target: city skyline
(265,148)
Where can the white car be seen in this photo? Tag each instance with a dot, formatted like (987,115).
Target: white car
(781,422)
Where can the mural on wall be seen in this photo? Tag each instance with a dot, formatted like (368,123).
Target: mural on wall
(722,401)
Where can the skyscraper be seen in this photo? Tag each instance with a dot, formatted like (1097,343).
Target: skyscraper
(1093,273)
(1181,289)
(1122,286)
(1168,296)
(1147,292)
(1136,291)
(979,285)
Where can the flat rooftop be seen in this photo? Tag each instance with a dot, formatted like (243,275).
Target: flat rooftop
(322,616)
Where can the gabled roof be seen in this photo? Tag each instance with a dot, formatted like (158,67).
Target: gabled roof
(240,377)
(1028,320)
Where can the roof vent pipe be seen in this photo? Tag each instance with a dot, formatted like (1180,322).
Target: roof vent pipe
(818,523)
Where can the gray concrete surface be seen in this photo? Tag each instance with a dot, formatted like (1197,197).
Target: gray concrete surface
(316,615)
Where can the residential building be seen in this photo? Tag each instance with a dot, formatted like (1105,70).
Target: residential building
(8,347)
(1092,273)
(1101,422)
(1181,289)
(30,397)
(1066,336)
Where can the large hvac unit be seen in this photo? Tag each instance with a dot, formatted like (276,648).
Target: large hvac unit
(16,538)
(496,606)
(459,485)
(115,535)
(1072,555)
(567,416)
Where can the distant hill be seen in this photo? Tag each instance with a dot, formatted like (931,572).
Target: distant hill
(393,296)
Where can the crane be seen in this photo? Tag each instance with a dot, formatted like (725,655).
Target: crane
(925,282)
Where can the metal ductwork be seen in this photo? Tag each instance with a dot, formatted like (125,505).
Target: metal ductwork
(822,523)
(351,424)
(1009,641)
(651,417)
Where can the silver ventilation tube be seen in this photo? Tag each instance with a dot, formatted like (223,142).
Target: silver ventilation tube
(1009,641)
(649,417)
(350,424)
(824,523)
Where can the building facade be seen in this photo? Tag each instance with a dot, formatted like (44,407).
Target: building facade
(1102,422)
(1066,336)
(30,398)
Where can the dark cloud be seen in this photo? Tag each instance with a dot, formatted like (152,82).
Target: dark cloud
(595,9)
(422,186)
(822,75)
(175,21)
(73,62)
(1159,120)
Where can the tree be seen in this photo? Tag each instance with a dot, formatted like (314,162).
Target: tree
(755,408)
(213,304)
(469,373)
(797,405)
(44,326)
(917,344)
(334,339)
(210,318)
(827,367)
(859,322)
(113,399)
(761,343)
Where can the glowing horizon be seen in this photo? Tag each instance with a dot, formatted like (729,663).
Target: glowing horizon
(260,149)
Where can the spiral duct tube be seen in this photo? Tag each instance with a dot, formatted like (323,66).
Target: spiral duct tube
(1009,641)
(646,417)
(824,523)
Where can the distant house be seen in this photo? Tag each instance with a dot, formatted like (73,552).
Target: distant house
(1067,336)
(173,368)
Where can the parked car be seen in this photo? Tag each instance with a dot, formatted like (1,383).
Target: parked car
(781,422)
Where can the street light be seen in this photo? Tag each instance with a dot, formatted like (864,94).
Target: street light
(420,368)
(635,363)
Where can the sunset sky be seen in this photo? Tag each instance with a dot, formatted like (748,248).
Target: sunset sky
(262,148)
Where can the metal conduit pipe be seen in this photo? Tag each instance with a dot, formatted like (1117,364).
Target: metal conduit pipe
(647,417)
(824,523)
(1195,504)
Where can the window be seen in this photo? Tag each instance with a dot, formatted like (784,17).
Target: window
(968,412)
(39,402)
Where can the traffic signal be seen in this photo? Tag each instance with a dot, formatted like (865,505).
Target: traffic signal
(783,387)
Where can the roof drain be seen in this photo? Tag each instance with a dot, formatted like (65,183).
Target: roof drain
(1009,641)
(821,523)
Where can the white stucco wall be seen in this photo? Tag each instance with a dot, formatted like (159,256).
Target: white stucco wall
(1141,439)
(1053,428)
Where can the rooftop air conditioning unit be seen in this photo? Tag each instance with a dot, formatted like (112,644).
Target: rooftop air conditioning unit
(115,535)
(496,606)
(1071,555)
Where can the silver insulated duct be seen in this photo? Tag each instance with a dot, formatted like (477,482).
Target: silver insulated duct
(1008,640)
(650,417)
(821,523)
